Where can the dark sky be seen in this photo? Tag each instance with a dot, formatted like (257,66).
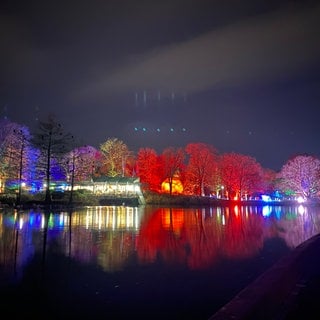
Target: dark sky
(242,76)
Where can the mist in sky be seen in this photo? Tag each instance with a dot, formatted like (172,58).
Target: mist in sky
(240,75)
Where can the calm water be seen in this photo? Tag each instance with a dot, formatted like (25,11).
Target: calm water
(144,262)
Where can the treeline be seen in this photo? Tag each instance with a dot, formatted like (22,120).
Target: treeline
(51,154)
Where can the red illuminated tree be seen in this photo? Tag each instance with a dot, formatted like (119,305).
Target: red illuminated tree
(240,174)
(301,175)
(149,169)
(201,166)
(173,164)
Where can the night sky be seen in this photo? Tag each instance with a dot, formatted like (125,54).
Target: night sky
(242,76)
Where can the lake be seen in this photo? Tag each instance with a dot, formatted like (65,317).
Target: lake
(142,262)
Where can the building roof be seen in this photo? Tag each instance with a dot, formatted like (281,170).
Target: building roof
(116,180)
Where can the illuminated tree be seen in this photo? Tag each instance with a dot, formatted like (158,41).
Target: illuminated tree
(22,143)
(301,175)
(6,144)
(201,166)
(240,174)
(173,164)
(80,165)
(149,169)
(14,155)
(116,155)
(81,162)
(269,181)
(53,142)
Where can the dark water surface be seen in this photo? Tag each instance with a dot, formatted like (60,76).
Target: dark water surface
(144,262)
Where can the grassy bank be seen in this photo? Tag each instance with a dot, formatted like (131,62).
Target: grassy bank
(85,198)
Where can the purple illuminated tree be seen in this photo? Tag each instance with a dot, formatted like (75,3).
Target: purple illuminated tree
(79,165)
(15,153)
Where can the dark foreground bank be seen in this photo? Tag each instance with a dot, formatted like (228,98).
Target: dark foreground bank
(289,290)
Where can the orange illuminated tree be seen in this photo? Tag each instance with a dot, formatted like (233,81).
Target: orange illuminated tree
(173,165)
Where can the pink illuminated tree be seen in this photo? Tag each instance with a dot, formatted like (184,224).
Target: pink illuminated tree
(301,176)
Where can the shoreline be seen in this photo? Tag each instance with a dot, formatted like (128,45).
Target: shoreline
(156,200)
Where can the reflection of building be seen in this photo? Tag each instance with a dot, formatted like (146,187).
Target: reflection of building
(108,218)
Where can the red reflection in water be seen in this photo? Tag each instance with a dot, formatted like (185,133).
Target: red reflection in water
(243,236)
(162,233)
(198,237)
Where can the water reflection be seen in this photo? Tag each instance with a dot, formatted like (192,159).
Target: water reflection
(200,237)
(107,236)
